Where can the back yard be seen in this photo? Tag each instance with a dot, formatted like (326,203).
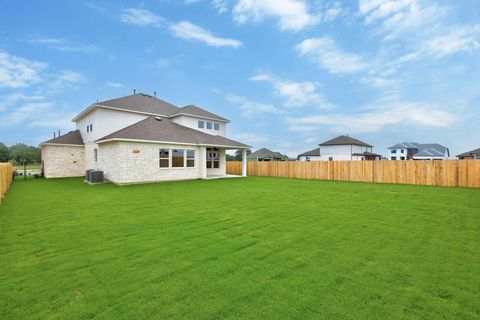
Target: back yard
(239,248)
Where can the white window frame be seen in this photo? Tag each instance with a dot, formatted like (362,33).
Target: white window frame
(216,126)
(201,122)
(169,158)
(209,124)
(95,155)
(189,158)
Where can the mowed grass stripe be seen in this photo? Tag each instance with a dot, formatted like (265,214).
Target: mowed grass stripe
(239,248)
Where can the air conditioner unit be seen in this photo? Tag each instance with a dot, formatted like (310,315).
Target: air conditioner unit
(96,176)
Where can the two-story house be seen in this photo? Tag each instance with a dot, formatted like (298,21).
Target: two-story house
(340,148)
(140,138)
(418,151)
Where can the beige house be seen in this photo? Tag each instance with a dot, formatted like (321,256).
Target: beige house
(140,138)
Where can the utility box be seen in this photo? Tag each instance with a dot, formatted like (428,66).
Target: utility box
(96,176)
(87,175)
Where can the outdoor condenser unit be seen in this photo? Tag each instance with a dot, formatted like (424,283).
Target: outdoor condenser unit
(96,176)
(87,175)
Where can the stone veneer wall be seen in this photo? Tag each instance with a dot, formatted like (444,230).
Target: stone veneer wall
(136,162)
(223,166)
(63,161)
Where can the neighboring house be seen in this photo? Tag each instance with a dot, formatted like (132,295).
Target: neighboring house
(265,154)
(312,155)
(474,154)
(341,148)
(140,138)
(418,151)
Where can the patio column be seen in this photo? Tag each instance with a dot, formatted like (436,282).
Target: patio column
(244,162)
(203,162)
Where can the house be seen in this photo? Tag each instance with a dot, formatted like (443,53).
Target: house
(340,148)
(140,138)
(418,151)
(312,155)
(265,154)
(474,154)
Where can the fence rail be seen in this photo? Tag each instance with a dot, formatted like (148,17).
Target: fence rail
(454,173)
(6,171)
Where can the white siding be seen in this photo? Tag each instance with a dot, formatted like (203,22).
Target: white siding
(343,152)
(192,122)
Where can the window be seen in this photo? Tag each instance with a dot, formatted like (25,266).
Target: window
(95,155)
(402,151)
(402,158)
(393,158)
(201,124)
(164,158)
(216,126)
(330,158)
(88,129)
(178,157)
(213,158)
(91,127)
(394,151)
(190,158)
(477,157)
(209,125)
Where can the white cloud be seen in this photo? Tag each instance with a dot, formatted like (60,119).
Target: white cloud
(398,16)
(251,108)
(114,84)
(296,94)
(325,52)
(62,44)
(187,30)
(220,5)
(22,113)
(293,15)
(16,72)
(141,17)
(456,39)
(13,98)
(65,80)
(389,113)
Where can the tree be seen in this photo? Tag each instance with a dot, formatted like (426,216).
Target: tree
(4,153)
(238,154)
(23,154)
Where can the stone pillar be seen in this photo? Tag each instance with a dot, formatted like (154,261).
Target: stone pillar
(244,162)
(203,162)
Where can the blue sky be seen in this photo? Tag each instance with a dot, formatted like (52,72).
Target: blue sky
(289,74)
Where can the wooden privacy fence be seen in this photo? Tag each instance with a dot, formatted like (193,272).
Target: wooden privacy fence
(455,173)
(6,171)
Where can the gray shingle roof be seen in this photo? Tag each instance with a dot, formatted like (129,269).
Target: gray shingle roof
(406,145)
(344,140)
(72,138)
(141,102)
(196,111)
(469,153)
(165,130)
(265,153)
(314,152)
(423,149)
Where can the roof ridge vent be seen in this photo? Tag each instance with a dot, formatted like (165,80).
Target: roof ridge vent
(158,118)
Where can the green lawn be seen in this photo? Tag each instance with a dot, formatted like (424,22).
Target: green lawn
(254,248)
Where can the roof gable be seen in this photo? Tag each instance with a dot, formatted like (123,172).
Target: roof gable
(157,129)
(344,140)
(469,153)
(265,153)
(198,112)
(71,138)
(311,153)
